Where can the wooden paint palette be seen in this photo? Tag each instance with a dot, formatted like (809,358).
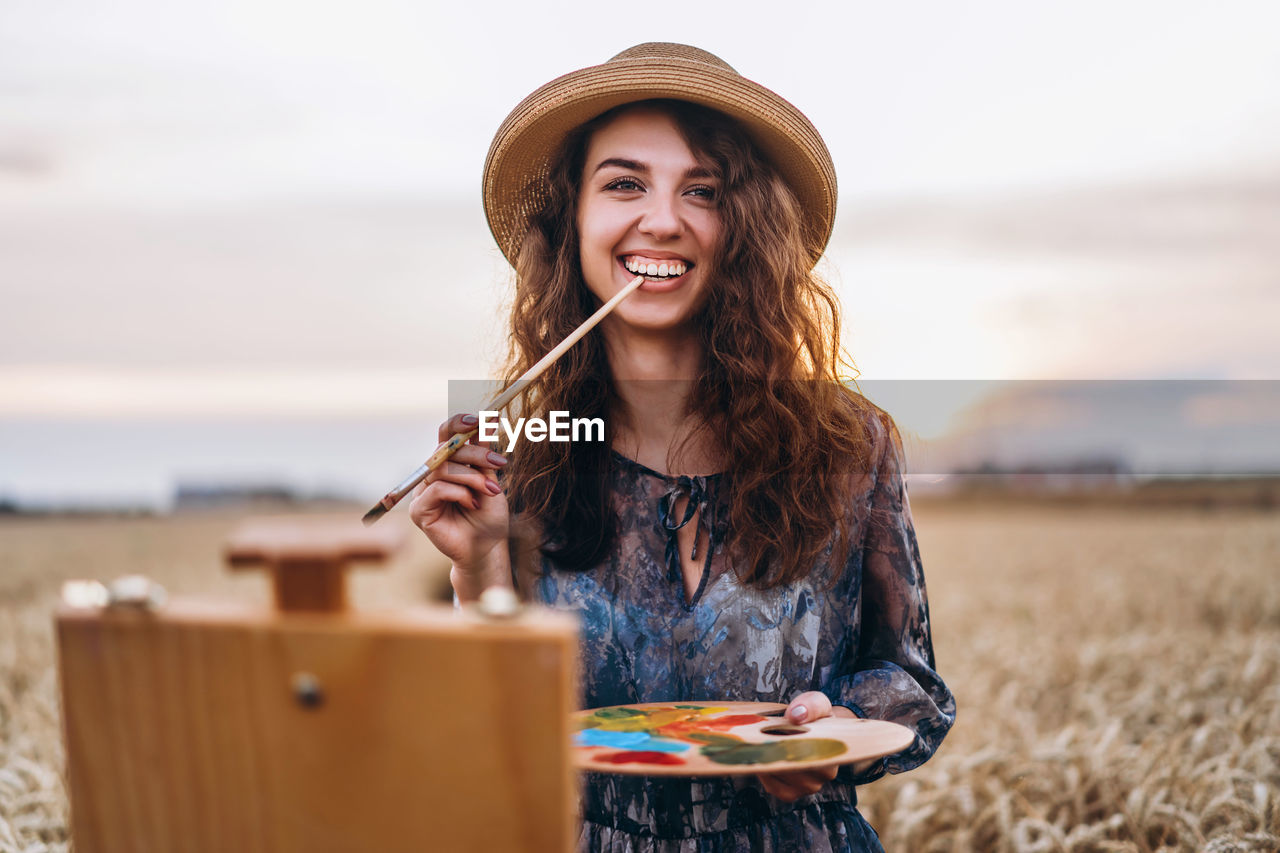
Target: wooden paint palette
(723,739)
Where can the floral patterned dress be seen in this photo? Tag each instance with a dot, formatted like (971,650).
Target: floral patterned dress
(865,642)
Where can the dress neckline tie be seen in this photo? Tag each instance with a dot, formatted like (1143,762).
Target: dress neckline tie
(701,502)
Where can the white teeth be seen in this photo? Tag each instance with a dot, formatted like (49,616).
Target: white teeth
(665,268)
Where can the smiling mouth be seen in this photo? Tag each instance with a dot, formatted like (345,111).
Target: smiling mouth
(656,269)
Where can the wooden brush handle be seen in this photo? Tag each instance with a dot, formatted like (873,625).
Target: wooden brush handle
(456,441)
(561,348)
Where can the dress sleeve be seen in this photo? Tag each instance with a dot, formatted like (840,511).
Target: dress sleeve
(891,675)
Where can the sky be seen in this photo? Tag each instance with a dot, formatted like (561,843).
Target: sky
(271,208)
(162,101)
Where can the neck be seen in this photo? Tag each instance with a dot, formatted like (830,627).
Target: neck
(653,422)
(659,356)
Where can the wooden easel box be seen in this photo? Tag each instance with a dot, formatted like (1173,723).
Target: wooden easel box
(438,731)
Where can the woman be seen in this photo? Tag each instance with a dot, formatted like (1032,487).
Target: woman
(743,532)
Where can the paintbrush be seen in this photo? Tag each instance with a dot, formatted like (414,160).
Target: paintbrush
(456,441)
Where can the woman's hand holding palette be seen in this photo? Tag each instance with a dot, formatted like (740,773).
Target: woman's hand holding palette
(724,739)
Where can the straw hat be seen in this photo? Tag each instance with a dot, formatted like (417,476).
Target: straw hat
(515,171)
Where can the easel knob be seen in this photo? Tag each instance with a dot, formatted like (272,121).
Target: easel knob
(308,558)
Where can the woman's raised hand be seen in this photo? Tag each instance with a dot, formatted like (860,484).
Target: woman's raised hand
(791,786)
(462,509)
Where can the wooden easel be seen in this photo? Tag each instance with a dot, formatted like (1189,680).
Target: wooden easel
(308,726)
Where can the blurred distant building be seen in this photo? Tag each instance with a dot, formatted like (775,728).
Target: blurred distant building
(1078,475)
(203,496)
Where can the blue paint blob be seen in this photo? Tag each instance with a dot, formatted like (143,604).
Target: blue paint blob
(659,744)
(619,740)
(627,740)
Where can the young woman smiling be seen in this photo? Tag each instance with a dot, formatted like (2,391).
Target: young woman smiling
(743,532)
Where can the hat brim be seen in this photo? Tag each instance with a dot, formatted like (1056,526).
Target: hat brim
(517,165)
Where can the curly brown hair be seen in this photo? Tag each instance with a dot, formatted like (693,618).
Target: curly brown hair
(788,428)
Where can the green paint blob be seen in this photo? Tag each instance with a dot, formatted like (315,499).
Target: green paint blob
(805,749)
(617,713)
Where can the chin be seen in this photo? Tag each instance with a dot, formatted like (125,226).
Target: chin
(659,322)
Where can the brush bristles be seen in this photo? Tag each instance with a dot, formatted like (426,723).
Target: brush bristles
(374,514)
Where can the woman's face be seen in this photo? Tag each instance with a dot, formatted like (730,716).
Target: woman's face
(647,203)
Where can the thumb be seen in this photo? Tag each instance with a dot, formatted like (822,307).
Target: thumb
(809,706)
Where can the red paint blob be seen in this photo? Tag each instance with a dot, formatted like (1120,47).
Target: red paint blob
(721,724)
(645,756)
(713,724)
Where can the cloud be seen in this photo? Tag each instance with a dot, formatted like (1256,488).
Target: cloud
(76,392)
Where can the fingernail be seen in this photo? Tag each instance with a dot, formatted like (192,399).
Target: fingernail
(492,488)
(470,420)
(798,713)
(496,459)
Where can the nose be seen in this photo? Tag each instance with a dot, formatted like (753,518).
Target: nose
(660,218)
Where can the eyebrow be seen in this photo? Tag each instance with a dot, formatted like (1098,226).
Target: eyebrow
(637,166)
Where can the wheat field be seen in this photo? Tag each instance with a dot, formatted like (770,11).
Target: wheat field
(1117,671)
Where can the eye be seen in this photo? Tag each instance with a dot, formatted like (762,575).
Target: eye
(702,191)
(626,184)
